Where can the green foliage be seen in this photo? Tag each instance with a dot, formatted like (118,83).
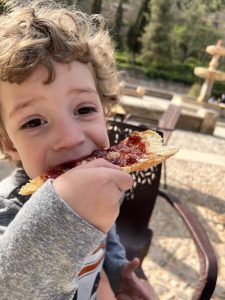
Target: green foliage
(213,5)
(1,6)
(173,72)
(122,58)
(194,90)
(199,6)
(190,39)
(218,89)
(118,23)
(137,28)
(69,2)
(156,39)
(192,62)
(83,5)
(174,39)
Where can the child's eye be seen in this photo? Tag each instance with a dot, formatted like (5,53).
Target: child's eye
(86,110)
(33,123)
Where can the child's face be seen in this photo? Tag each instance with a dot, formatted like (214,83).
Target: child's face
(49,124)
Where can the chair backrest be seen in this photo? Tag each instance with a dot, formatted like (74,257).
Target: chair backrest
(136,211)
(137,206)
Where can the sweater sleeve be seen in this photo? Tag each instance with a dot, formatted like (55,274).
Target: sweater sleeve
(43,248)
(115,258)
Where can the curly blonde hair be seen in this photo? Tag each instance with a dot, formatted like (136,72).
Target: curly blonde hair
(38,32)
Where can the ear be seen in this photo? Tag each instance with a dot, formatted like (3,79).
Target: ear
(9,148)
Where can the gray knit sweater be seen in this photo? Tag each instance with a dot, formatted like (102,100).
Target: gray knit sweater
(43,244)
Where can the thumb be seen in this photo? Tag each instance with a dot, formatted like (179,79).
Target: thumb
(131,266)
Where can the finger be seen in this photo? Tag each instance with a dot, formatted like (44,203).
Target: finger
(132,266)
(99,162)
(124,181)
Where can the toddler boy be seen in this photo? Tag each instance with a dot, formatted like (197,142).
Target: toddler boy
(58,82)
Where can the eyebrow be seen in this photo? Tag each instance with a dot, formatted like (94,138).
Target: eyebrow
(20,106)
(83,90)
(27,103)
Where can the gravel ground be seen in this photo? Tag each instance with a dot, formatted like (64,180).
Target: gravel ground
(199,142)
(172,263)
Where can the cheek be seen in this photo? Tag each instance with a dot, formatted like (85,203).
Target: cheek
(27,152)
(101,137)
(106,141)
(33,164)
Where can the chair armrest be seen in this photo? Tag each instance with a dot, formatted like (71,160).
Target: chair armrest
(207,258)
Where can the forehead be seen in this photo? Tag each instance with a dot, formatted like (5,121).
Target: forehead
(74,75)
(78,73)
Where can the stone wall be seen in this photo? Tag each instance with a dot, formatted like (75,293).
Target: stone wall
(148,110)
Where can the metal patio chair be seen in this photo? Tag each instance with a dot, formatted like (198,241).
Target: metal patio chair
(136,211)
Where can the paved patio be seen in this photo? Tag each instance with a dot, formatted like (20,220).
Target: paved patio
(195,176)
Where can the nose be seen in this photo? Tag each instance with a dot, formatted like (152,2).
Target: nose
(67,135)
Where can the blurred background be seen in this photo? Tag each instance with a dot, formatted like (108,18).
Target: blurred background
(163,39)
(159,43)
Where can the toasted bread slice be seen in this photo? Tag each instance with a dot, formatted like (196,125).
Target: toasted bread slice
(146,149)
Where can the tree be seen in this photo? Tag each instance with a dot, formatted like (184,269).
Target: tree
(96,7)
(193,29)
(70,2)
(205,5)
(190,40)
(156,38)
(118,23)
(83,5)
(2,6)
(137,28)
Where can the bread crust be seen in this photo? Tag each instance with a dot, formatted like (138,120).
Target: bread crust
(156,153)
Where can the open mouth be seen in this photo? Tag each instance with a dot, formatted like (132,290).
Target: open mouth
(68,165)
(65,166)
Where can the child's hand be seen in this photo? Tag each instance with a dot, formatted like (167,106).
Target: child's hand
(131,287)
(93,190)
